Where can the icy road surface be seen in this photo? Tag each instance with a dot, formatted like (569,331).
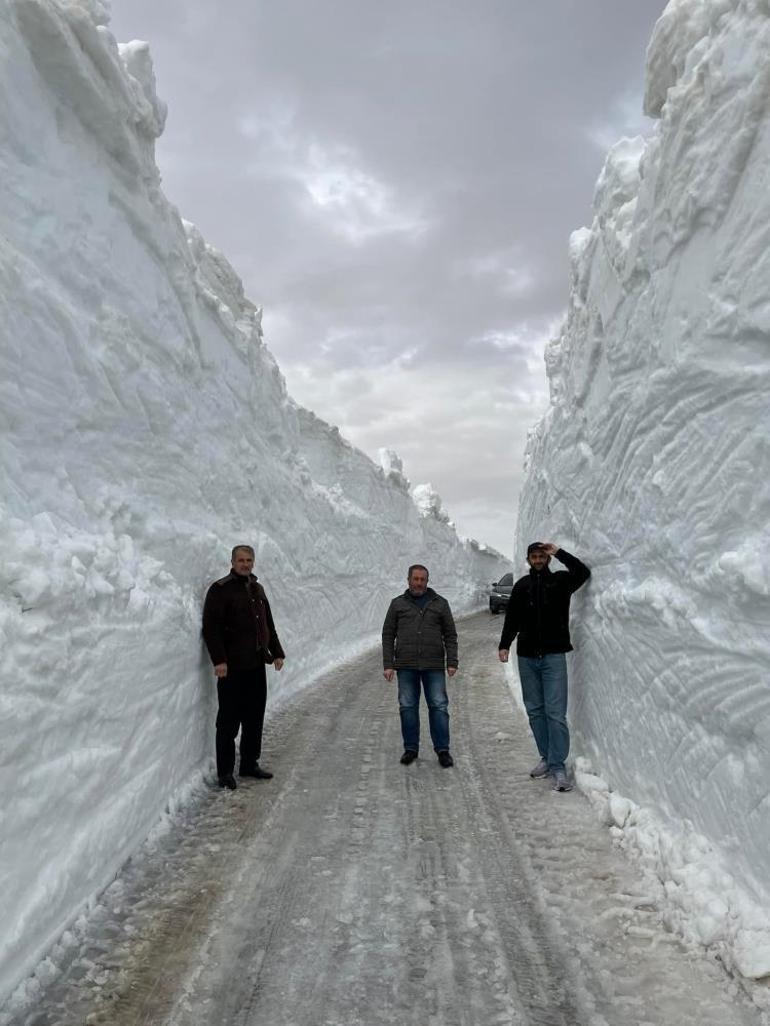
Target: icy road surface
(353,891)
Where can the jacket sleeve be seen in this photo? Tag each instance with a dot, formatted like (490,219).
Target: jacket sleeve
(276,649)
(512,622)
(213,633)
(389,631)
(449,634)
(578,572)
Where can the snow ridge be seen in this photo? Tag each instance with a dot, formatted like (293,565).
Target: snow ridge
(652,463)
(146,429)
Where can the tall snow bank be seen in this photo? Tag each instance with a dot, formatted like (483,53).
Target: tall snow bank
(653,464)
(146,429)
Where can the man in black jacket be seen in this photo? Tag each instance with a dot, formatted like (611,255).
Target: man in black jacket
(240,635)
(538,612)
(418,640)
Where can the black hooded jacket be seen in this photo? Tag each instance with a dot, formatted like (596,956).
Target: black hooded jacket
(538,609)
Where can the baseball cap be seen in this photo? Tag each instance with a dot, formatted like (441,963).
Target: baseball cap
(534,546)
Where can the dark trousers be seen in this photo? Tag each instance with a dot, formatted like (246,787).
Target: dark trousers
(242,697)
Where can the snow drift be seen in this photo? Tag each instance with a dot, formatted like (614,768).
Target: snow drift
(146,429)
(653,464)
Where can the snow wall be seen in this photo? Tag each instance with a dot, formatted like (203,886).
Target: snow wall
(147,429)
(653,464)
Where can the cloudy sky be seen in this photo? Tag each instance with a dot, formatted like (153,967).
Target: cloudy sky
(396,183)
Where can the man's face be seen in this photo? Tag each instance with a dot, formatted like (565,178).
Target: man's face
(538,559)
(243,562)
(418,582)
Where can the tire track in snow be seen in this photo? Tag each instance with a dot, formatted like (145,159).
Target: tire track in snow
(616,955)
(354,890)
(314,830)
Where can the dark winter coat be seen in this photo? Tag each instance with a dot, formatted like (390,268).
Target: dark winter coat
(238,625)
(538,609)
(419,639)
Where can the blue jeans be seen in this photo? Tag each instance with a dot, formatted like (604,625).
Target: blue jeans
(434,685)
(544,689)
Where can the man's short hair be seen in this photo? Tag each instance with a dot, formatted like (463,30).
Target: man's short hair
(242,548)
(417,566)
(535,547)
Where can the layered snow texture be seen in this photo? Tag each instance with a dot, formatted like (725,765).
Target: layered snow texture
(146,429)
(653,465)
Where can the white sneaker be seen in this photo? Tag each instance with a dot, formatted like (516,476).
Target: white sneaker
(541,770)
(561,782)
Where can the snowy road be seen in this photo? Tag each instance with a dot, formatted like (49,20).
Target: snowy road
(352,890)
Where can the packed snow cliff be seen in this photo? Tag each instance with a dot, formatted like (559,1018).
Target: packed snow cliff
(653,465)
(146,430)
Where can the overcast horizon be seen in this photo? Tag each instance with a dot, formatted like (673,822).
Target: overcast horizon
(396,187)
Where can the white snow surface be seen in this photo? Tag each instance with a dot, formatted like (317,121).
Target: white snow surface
(429,502)
(146,429)
(352,891)
(653,464)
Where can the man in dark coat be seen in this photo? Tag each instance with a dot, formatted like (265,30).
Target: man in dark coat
(241,638)
(538,612)
(418,640)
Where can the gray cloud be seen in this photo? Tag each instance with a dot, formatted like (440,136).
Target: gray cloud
(396,183)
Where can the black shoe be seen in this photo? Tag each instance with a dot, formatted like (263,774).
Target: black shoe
(409,756)
(257,772)
(445,759)
(228,781)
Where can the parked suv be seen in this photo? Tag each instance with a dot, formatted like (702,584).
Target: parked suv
(500,593)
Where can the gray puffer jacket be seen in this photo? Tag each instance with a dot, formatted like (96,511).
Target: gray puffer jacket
(419,639)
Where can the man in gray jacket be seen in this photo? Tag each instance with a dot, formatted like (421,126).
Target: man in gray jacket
(418,640)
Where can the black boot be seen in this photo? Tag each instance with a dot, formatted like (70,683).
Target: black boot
(228,781)
(255,771)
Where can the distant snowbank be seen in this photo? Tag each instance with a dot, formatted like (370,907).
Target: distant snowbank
(653,465)
(146,429)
